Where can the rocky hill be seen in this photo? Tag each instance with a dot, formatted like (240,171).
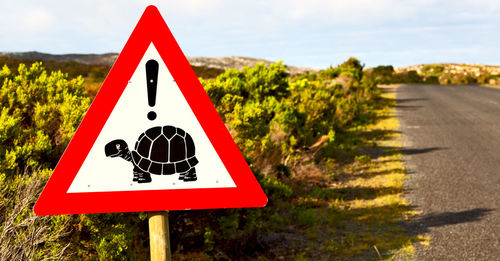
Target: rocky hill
(452,68)
(109,58)
(239,62)
(88,59)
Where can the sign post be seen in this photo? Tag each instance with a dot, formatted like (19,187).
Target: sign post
(159,237)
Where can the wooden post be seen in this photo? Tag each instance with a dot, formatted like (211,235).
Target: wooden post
(159,237)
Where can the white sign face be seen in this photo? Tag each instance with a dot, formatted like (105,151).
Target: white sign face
(175,152)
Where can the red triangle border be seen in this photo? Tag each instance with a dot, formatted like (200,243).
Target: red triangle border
(151,28)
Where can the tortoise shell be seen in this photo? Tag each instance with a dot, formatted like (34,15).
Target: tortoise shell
(164,151)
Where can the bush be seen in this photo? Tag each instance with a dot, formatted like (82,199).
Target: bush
(492,79)
(24,236)
(271,116)
(273,119)
(408,77)
(39,114)
(431,80)
(383,74)
(432,70)
(351,68)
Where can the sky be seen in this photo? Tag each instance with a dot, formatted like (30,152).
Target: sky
(309,33)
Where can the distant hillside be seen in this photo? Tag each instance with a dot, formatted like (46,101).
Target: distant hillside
(239,62)
(452,68)
(439,73)
(109,58)
(451,73)
(88,59)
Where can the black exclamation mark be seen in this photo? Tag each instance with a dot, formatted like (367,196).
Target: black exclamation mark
(152,80)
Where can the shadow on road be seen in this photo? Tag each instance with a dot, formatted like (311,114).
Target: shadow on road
(422,223)
(408,107)
(366,193)
(378,134)
(399,101)
(419,151)
(388,150)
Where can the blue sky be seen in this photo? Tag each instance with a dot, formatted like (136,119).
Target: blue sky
(311,33)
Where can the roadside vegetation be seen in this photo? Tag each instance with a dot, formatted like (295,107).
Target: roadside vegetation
(436,74)
(94,74)
(324,147)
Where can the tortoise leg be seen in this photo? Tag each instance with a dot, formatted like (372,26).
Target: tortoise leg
(136,172)
(144,177)
(191,175)
(182,175)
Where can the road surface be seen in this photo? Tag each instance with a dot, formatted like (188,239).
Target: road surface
(451,137)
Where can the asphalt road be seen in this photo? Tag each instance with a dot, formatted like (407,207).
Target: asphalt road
(451,137)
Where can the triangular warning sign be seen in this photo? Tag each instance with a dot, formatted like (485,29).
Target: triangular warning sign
(151,140)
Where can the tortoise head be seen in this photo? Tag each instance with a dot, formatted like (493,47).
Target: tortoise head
(116,148)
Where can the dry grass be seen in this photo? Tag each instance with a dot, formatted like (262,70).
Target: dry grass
(374,184)
(23,235)
(355,210)
(342,211)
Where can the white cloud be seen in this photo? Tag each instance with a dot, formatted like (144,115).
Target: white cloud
(279,28)
(38,19)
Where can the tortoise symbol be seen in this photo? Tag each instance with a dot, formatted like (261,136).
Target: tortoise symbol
(163,150)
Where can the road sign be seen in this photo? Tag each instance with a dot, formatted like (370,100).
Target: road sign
(151,140)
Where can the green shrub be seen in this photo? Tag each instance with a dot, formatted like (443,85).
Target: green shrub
(492,79)
(353,63)
(383,74)
(272,118)
(408,77)
(39,114)
(352,68)
(431,80)
(432,70)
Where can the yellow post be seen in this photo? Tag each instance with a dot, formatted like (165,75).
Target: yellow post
(159,238)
